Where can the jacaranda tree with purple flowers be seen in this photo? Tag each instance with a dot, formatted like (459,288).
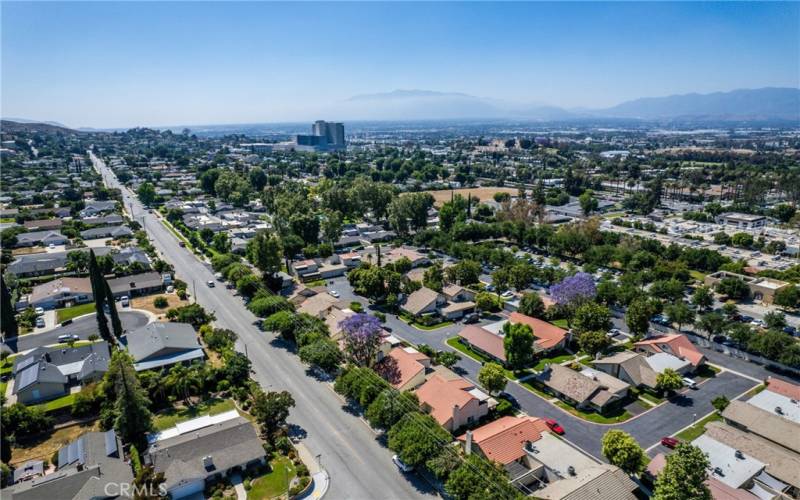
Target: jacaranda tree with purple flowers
(362,338)
(572,291)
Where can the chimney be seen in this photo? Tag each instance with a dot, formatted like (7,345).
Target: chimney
(455,417)
(468,443)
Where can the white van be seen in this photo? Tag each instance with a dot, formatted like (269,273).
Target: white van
(124,301)
(691,384)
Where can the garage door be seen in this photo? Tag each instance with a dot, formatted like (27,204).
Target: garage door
(188,489)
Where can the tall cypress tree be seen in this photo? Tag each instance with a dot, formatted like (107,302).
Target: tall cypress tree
(7,318)
(116,324)
(99,293)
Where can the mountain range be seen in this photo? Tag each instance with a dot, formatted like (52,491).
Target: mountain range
(769,103)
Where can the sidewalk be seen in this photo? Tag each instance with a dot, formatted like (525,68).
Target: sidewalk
(320,480)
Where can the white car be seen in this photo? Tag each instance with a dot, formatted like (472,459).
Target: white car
(334,293)
(67,338)
(507,294)
(210,284)
(691,384)
(401,465)
(51,246)
(39,311)
(124,301)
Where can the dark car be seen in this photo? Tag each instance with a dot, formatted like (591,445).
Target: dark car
(720,339)
(66,322)
(669,442)
(471,318)
(790,330)
(745,319)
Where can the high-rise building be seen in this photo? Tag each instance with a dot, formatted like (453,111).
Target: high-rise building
(333,134)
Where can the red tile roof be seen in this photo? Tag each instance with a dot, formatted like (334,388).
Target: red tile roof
(675,344)
(547,335)
(504,439)
(484,340)
(442,395)
(409,365)
(788,389)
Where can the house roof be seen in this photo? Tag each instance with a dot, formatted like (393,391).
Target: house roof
(784,388)
(229,443)
(661,361)
(781,463)
(547,335)
(408,362)
(60,286)
(503,440)
(735,471)
(159,338)
(770,401)
(136,282)
(675,344)
(452,289)
(54,365)
(612,383)
(317,304)
(35,236)
(420,299)
(765,424)
(721,491)
(600,482)
(43,224)
(443,395)
(569,382)
(484,340)
(458,306)
(101,232)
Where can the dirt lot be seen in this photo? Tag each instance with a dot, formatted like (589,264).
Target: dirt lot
(44,447)
(146,303)
(482,193)
(27,251)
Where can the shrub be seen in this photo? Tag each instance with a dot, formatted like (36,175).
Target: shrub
(356,307)
(160,302)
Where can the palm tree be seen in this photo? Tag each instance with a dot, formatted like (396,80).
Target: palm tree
(182,381)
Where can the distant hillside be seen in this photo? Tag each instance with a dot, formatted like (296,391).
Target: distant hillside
(30,126)
(749,104)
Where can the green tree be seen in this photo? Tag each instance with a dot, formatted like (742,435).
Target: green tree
(148,484)
(712,323)
(222,244)
(486,301)
(477,479)
(9,319)
(146,193)
(265,251)
(788,297)
(720,403)
(194,314)
(669,380)
(99,293)
(323,353)
(588,202)
(492,377)
(684,475)
(271,410)
(182,382)
(131,415)
(518,343)
(637,316)
(390,406)
(679,313)
(591,317)
(433,277)
(532,305)
(622,450)
(703,297)
(593,342)
(417,438)
(116,324)
(775,320)
(733,288)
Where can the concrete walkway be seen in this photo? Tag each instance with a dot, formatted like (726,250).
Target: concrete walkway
(320,480)
(238,485)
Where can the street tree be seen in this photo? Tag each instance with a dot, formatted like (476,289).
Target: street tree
(265,251)
(362,336)
(390,406)
(684,475)
(147,193)
(622,450)
(679,313)
(492,377)
(591,317)
(703,297)
(593,342)
(271,410)
(417,438)
(712,323)
(9,320)
(637,316)
(669,380)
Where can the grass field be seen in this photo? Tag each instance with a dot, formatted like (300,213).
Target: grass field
(455,344)
(555,359)
(275,483)
(57,404)
(169,418)
(620,415)
(561,323)
(697,430)
(481,193)
(74,311)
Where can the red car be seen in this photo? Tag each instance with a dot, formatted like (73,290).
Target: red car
(553,425)
(669,442)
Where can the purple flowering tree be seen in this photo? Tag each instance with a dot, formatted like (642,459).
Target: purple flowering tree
(362,335)
(572,291)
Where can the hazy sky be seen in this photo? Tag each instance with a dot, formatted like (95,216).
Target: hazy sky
(107,64)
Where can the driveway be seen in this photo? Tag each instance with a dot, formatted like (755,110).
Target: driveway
(82,327)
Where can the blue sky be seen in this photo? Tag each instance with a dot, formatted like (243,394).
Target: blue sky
(123,64)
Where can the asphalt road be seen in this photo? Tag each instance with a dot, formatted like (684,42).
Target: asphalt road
(359,466)
(82,327)
(648,428)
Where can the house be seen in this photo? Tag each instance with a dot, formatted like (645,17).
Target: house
(204,449)
(350,259)
(106,232)
(640,370)
(423,301)
(452,400)
(162,344)
(761,289)
(781,404)
(457,293)
(98,207)
(456,310)
(728,465)
(43,224)
(43,238)
(91,467)
(767,424)
(404,368)
(549,337)
(504,440)
(136,284)
(576,388)
(484,342)
(675,344)
(318,305)
(106,220)
(598,482)
(60,292)
(49,372)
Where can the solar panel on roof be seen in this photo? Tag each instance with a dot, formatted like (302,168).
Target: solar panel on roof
(111,443)
(27,377)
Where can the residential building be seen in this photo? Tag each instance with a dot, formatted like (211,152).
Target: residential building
(675,344)
(761,289)
(49,372)
(162,344)
(95,208)
(43,224)
(423,301)
(43,238)
(484,342)
(91,467)
(106,232)
(204,449)
(60,292)
(769,425)
(136,284)
(404,368)
(578,389)
(549,337)
(728,465)
(453,401)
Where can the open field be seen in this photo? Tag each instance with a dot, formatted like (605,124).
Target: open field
(146,303)
(482,193)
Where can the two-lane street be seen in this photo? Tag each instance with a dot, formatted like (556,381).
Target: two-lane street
(359,467)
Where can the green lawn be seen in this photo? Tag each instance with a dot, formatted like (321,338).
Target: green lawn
(695,431)
(697,275)
(536,391)
(552,360)
(57,404)
(419,326)
(646,395)
(617,416)
(755,390)
(455,344)
(3,386)
(169,418)
(74,311)
(275,483)
(561,323)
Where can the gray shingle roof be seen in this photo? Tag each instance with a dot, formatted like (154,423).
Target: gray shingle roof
(158,338)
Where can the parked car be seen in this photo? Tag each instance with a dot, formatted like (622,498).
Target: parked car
(471,318)
(124,301)
(670,442)
(790,330)
(39,311)
(334,293)
(181,243)
(507,294)
(67,338)
(401,465)
(219,277)
(745,319)
(40,322)
(66,322)
(210,284)
(553,426)
(719,339)
(691,384)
